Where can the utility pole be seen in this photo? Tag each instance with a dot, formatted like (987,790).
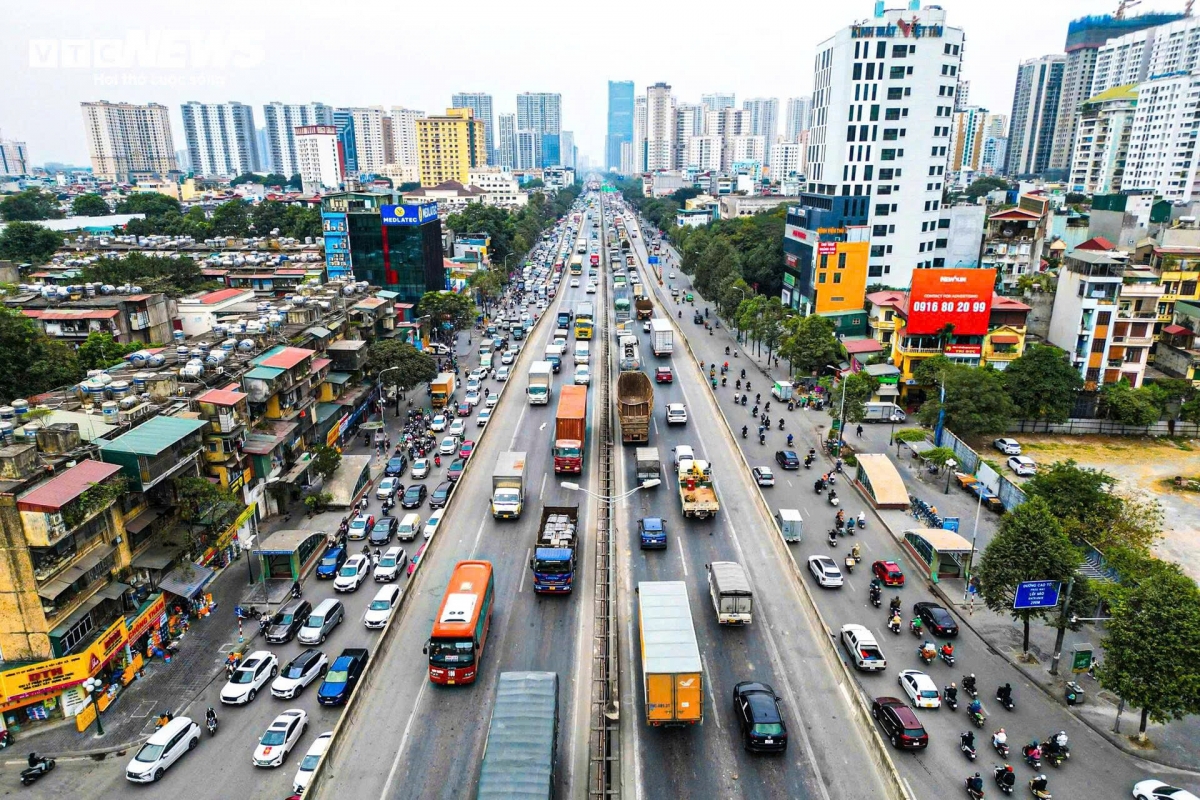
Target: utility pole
(1062,627)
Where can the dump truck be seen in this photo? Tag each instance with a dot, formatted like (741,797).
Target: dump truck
(541,382)
(521,746)
(570,429)
(648,464)
(553,561)
(662,337)
(629,354)
(644,306)
(635,403)
(672,674)
(508,485)
(441,391)
(696,491)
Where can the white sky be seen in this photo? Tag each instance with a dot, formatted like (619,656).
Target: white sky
(361,52)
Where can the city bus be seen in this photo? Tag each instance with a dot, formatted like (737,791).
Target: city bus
(576,265)
(460,629)
(585,317)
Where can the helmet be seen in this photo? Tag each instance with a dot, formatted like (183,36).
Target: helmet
(976,774)
(972,676)
(1008,768)
(1041,777)
(953,685)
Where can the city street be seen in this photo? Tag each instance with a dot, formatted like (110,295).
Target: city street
(939,771)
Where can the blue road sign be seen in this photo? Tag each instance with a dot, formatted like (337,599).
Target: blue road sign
(1037,594)
(653,259)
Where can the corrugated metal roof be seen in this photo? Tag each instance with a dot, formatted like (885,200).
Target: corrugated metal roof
(58,491)
(153,436)
(222,397)
(668,635)
(287,357)
(519,760)
(264,373)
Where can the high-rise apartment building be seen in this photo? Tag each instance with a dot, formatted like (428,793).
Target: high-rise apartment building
(127,139)
(449,146)
(389,141)
(1162,156)
(14,157)
(620,121)
(764,120)
(717,102)
(883,102)
(660,128)
(566,150)
(689,122)
(540,112)
(745,149)
(995,152)
(970,127)
(1173,47)
(280,121)
(481,104)
(221,140)
(404,137)
(702,153)
(639,134)
(319,153)
(787,159)
(1102,141)
(1034,115)
(506,141)
(796,117)
(1085,38)
(367,125)
(962,96)
(526,145)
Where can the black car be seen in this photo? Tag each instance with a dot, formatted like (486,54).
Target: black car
(396,466)
(787,459)
(757,707)
(287,621)
(937,619)
(383,531)
(698,318)
(414,495)
(441,495)
(900,725)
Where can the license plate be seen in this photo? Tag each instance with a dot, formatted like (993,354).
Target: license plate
(768,741)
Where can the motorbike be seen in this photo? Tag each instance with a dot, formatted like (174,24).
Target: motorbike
(833,538)
(1032,758)
(862,523)
(744,398)
(951,702)
(926,657)
(1056,756)
(850,562)
(1001,748)
(833,498)
(808,462)
(998,774)
(30,775)
(211,724)
(970,689)
(744,430)
(978,718)
(819,487)
(971,793)
(1006,703)
(966,749)
(877,599)
(6,738)
(894,627)
(762,439)
(1040,794)
(781,423)
(948,658)
(913,629)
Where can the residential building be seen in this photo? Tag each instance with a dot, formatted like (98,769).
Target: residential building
(126,140)
(1102,141)
(507,141)
(887,168)
(367,127)
(970,127)
(717,102)
(824,272)
(744,149)
(735,205)
(540,112)
(480,104)
(660,127)
(764,121)
(320,159)
(787,159)
(1034,114)
(626,158)
(994,155)
(566,150)
(689,122)
(500,186)
(280,122)
(1170,46)
(796,117)
(221,139)
(1162,157)
(639,134)
(130,318)
(526,145)
(227,412)
(1014,238)
(199,313)
(620,122)
(404,138)
(449,146)
(343,120)
(702,153)
(962,95)
(1123,220)
(14,158)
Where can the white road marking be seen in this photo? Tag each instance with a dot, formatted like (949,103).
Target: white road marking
(478,536)
(681,560)
(524,572)
(542,491)
(542,428)
(387,785)
(712,698)
(517,430)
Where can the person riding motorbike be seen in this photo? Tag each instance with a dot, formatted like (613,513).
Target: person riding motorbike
(840,517)
(927,650)
(975,707)
(295,589)
(1038,784)
(737,384)
(948,650)
(895,604)
(789,440)
(894,622)
(968,683)
(210,717)
(975,785)
(1060,740)
(681,315)
(744,429)
(915,625)
(999,738)
(856,552)
(875,590)
(950,694)
(967,739)
(1032,751)
(1005,776)
(1004,694)
(726,349)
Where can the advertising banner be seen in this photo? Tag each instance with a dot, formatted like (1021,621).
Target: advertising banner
(961,298)
(408,214)
(54,675)
(826,248)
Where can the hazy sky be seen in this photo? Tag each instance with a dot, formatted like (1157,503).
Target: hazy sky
(358,52)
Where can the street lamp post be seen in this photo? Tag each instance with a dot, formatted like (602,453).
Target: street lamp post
(571,486)
(381,374)
(93,687)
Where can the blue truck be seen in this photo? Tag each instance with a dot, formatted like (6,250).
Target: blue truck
(553,561)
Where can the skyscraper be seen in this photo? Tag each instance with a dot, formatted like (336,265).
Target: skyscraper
(639,134)
(481,104)
(14,157)
(280,121)
(660,128)
(620,121)
(717,102)
(796,117)
(962,96)
(368,137)
(449,146)
(525,149)
(764,120)
(540,112)
(970,127)
(343,121)
(689,122)
(126,138)
(404,137)
(221,139)
(1034,114)
(566,149)
(506,151)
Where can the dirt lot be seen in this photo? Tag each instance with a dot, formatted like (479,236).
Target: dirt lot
(1139,464)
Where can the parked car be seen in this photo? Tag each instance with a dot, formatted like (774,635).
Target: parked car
(763,476)
(299,673)
(281,736)
(757,709)
(1022,465)
(1010,447)
(937,620)
(250,676)
(900,725)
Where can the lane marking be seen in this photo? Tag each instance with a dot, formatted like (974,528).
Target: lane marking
(712,698)
(478,536)
(682,560)
(387,785)
(524,572)
(517,430)
(542,491)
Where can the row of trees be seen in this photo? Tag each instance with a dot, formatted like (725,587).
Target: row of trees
(164,217)
(174,275)
(513,232)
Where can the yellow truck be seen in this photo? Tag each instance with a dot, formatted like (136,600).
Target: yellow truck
(441,391)
(672,675)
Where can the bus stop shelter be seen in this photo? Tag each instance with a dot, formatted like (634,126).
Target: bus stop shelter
(285,555)
(879,479)
(941,553)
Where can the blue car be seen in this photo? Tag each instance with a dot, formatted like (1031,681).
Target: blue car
(331,562)
(395,466)
(653,533)
(342,677)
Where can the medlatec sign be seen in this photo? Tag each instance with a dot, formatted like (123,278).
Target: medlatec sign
(958,297)
(408,215)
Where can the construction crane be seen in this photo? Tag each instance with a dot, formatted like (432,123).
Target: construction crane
(1125,5)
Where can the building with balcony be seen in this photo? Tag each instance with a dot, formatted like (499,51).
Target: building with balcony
(1013,239)
(227,412)
(158,449)
(825,270)
(1177,352)
(145,318)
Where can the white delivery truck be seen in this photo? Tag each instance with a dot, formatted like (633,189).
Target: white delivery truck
(662,340)
(541,383)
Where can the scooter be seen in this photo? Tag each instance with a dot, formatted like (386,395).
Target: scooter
(833,538)
(978,718)
(1056,757)
(211,724)
(1033,759)
(951,702)
(877,599)
(928,659)
(833,498)
(1006,703)
(1001,748)
(966,749)
(862,523)
(6,738)
(971,793)
(894,627)
(30,775)
(996,775)
(948,658)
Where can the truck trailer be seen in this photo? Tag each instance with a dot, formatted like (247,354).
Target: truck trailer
(635,403)
(662,337)
(554,551)
(672,674)
(570,429)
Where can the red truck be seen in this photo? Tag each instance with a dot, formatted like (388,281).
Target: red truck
(570,429)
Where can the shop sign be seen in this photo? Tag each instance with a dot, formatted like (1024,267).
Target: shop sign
(51,677)
(148,618)
(826,248)
(963,349)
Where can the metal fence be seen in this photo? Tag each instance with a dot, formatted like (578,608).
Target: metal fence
(1078,427)
(972,463)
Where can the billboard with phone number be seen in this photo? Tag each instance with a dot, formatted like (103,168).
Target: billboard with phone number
(961,298)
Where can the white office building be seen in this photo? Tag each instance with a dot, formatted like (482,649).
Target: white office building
(506,153)
(702,153)
(14,157)
(126,139)
(280,121)
(526,147)
(764,120)
(795,118)
(1162,139)
(883,102)
(1135,57)
(787,158)
(717,102)
(320,160)
(404,136)
(500,186)
(660,127)
(221,139)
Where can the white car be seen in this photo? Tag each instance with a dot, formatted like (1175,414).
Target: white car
(492,400)
(439,423)
(457,428)
(583,374)
(671,275)
(574,283)
(431,524)
(483,417)
(684,455)
(381,607)
(825,571)
(387,488)
(1010,447)
(1022,465)
(299,673)
(591,288)
(646,326)
(359,527)
(352,573)
(308,765)
(280,738)
(920,688)
(390,563)
(505,360)
(472,398)
(676,414)
(502,374)
(448,446)
(476,375)
(168,744)
(250,676)
(1157,790)
(763,476)
(420,468)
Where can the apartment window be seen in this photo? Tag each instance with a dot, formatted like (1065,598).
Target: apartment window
(868,170)
(884,190)
(857,72)
(892,114)
(877,250)
(938,263)
(899,50)
(890,134)
(1098,345)
(850,133)
(871,71)
(891,228)
(895,93)
(841,261)
(895,73)
(880,49)
(874,113)
(940,243)
(879,230)
(886,154)
(1103,318)
(885,173)
(874,271)
(837,277)
(881,209)
(944,223)
(821,277)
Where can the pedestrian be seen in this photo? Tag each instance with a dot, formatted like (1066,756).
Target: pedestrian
(859,431)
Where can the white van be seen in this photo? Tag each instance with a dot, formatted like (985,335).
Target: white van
(410,526)
(583,352)
(162,750)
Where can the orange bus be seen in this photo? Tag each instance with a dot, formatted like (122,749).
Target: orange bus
(460,630)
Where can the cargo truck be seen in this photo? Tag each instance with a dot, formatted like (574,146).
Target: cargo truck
(672,674)
(570,429)
(554,354)
(732,598)
(508,485)
(521,746)
(629,353)
(696,491)
(541,383)
(662,337)
(553,561)
(635,403)
(649,467)
(441,391)
(645,307)
(882,412)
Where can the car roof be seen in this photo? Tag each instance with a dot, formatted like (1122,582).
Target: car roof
(386,590)
(168,731)
(888,563)
(357,557)
(307,656)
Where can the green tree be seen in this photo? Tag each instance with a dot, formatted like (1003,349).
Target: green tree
(295,183)
(1128,406)
(205,506)
(1030,546)
(810,345)
(857,387)
(489,284)
(169,274)
(697,242)
(272,179)
(152,204)
(408,186)
(90,205)
(232,219)
(30,205)
(491,220)
(37,363)
(718,261)
(449,312)
(1042,384)
(975,403)
(101,351)
(407,367)
(982,186)
(325,459)
(28,242)
(1152,645)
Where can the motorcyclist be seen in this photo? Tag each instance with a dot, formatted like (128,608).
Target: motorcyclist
(915,625)
(210,716)
(875,590)
(726,349)
(928,651)
(1038,784)
(34,760)
(841,517)
(1005,776)
(1060,741)
(789,440)
(975,708)
(999,738)
(968,683)
(975,784)
(1032,751)
(1004,694)
(967,740)
(856,552)
(862,519)
(894,624)
(895,604)
(744,430)
(164,718)
(948,650)
(950,693)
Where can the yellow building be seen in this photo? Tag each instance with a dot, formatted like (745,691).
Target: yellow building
(840,281)
(449,146)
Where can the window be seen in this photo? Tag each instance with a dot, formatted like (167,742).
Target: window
(880,49)
(944,223)
(881,209)
(884,190)
(879,230)
(887,154)
(877,250)
(890,134)
(940,243)
(824,261)
(1098,345)
(896,72)
(868,171)
(899,51)
(857,72)
(841,261)
(875,271)
(874,113)
(885,174)
(871,71)
(892,114)
(895,93)
(821,277)
(1103,318)
(850,129)
(909,71)
(837,277)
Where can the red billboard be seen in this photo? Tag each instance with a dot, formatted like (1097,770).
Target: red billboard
(958,297)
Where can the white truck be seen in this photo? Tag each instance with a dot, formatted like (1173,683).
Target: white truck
(508,485)
(882,412)
(662,339)
(541,382)
(732,597)
(862,648)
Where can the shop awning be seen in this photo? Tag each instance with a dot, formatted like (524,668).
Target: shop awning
(83,565)
(186,580)
(1005,338)
(53,589)
(157,556)
(888,390)
(143,520)
(113,591)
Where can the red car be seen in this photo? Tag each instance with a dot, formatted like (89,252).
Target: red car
(664,375)
(467,448)
(455,471)
(888,572)
(464,409)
